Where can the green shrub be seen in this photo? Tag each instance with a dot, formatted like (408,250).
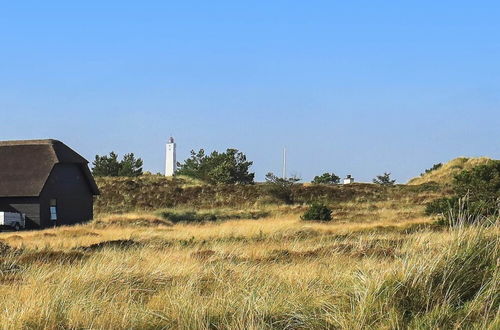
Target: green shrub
(326,178)
(441,206)
(481,183)
(318,211)
(456,212)
(476,195)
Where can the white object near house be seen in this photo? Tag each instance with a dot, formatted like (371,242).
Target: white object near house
(170,159)
(349,179)
(12,220)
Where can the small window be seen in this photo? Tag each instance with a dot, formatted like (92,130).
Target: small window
(53,210)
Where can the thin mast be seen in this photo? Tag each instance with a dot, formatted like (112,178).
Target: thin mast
(284,163)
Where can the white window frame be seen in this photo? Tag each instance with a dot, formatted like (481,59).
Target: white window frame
(53,209)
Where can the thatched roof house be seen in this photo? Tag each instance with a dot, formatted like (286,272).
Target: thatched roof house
(46,180)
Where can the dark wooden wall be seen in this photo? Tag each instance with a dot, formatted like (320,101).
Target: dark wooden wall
(68,185)
(27,205)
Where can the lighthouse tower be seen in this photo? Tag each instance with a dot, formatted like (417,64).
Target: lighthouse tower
(170,160)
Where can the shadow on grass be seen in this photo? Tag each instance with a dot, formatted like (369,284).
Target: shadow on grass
(193,216)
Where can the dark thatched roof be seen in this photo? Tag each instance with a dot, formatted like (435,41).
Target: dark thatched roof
(26,165)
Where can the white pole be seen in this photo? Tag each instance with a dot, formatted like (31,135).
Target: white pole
(284,163)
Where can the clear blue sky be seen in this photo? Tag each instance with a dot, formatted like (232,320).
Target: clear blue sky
(353,87)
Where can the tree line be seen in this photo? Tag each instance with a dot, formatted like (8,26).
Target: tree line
(229,167)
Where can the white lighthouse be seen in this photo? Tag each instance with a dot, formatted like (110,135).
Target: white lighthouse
(170,160)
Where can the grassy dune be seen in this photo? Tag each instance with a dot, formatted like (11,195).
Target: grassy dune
(152,192)
(379,265)
(444,174)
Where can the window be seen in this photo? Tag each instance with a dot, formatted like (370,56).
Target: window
(53,210)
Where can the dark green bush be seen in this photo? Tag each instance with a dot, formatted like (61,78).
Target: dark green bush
(318,211)
(479,189)
(456,212)
(326,178)
(481,183)
(441,206)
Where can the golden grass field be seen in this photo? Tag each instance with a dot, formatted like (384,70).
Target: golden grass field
(377,265)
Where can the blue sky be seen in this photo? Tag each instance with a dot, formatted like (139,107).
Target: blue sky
(353,87)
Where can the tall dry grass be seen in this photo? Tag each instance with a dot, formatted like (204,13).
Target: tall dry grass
(272,273)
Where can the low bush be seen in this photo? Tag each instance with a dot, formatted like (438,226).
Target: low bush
(441,206)
(318,211)
(476,195)
(481,183)
(456,212)
(326,178)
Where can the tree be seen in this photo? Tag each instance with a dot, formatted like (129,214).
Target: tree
(384,179)
(106,165)
(281,188)
(110,166)
(230,167)
(194,166)
(130,166)
(326,178)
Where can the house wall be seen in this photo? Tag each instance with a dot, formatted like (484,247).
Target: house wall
(27,205)
(69,186)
